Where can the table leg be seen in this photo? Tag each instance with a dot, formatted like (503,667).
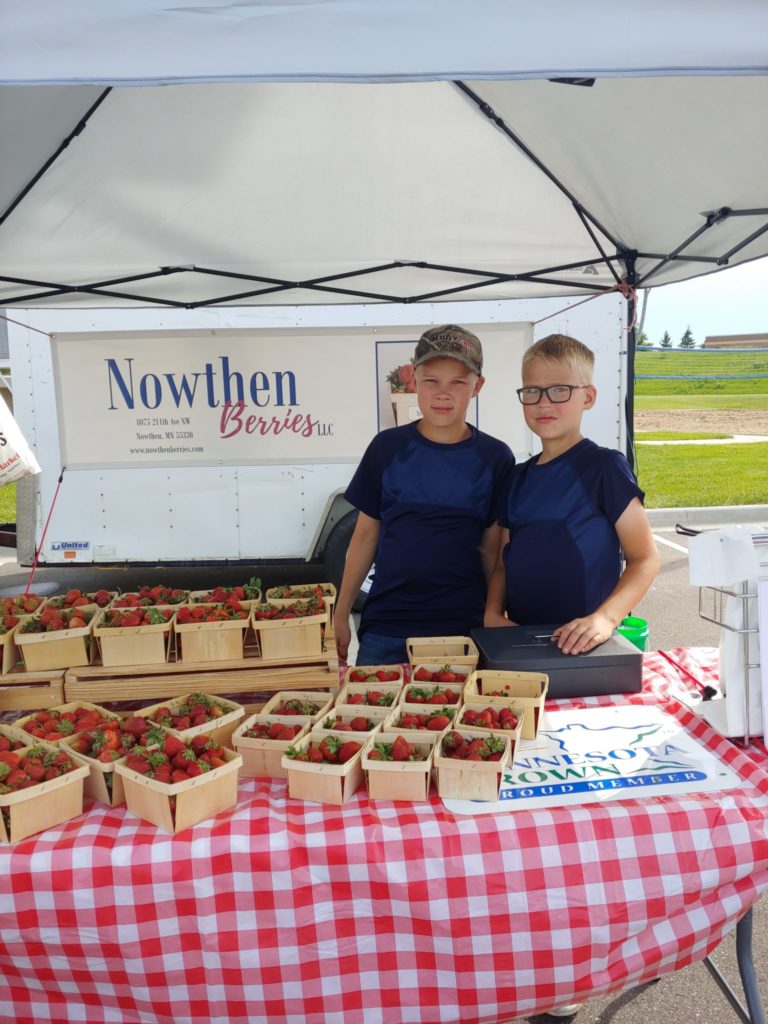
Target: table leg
(754,1013)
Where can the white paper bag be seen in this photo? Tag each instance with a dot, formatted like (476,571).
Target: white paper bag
(720,558)
(16,457)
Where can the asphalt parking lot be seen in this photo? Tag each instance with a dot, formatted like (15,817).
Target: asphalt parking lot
(671,609)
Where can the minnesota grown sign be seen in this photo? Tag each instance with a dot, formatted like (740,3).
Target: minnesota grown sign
(209,397)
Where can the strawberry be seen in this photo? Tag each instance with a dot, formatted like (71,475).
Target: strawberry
(438,722)
(444,675)
(360,724)
(347,750)
(172,747)
(423,675)
(401,749)
(329,748)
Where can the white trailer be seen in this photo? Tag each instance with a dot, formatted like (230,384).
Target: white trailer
(230,434)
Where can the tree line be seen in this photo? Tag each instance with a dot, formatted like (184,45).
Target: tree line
(686,341)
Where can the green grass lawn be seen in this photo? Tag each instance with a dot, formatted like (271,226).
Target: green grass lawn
(698,476)
(722,367)
(676,435)
(673,401)
(8,503)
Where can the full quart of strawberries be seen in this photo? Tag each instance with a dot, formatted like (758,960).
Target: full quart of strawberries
(225,612)
(23,768)
(297,610)
(373,698)
(20,604)
(358,724)
(436,720)
(249,591)
(440,675)
(381,675)
(196,710)
(297,706)
(56,725)
(176,761)
(120,618)
(329,750)
(298,592)
(431,695)
(77,598)
(473,748)
(115,737)
(490,718)
(399,750)
(151,595)
(272,731)
(51,620)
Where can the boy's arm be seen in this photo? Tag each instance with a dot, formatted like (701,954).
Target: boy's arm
(634,532)
(494,605)
(360,556)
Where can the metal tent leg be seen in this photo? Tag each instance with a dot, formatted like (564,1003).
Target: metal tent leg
(754,1013)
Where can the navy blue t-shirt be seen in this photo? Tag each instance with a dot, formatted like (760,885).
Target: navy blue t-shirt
(434,502)
(563,558)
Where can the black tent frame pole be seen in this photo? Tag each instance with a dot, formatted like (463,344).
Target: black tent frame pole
(79,127)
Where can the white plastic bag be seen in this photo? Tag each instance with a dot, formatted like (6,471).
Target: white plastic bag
(17,459)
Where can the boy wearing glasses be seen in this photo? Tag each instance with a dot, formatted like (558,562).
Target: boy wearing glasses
(429,495)
(570,511)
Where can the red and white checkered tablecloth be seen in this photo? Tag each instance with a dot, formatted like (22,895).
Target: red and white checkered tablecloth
(281,911)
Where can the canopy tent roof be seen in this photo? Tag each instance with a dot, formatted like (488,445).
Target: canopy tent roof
(243,152)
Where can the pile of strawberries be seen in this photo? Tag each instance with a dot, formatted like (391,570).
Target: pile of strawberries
(432,695)
(117,618)
(440,675)
(380,675)
(436,721)
(177,761)
(464,747)
(490,718)
(51,619)
(250,591)
(31,766)
(113,739)
(373,698)
(196,710)
(272,731)
(357,724)
(297,610)
(330,750)
(56,725)
(20,604)
(6,743)
(300,593)
(150,596)
(297,706)
(225,612)
(76,599)
(399,750)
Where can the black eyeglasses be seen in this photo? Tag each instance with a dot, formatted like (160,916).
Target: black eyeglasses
(556,393)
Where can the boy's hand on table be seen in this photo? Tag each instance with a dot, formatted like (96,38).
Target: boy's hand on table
(343,636)
(491,619)
(581,635)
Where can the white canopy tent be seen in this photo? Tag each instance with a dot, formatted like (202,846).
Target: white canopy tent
(244,152)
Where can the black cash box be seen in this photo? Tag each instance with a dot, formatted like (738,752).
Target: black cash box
(616,666)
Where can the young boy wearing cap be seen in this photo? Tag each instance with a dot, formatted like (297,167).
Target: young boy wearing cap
(569,513)
(428,494)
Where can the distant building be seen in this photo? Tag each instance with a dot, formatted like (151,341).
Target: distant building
(736,341)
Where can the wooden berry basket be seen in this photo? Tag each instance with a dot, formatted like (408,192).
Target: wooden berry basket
(321,698)
(42,806)
(329,593)
(195,800)
(459,650)
(10,655)
(211,641)
(396,713)
(134,645)
(283,639)
(521,689)
(72,705)
(13,733)
(515,735)
(60,649)
(346,712)
(399,780)
(348,689)
(469,780)
(262,758)
(323,783)
(217,729)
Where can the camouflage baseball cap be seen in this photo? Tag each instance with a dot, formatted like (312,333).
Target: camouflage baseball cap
(450,342)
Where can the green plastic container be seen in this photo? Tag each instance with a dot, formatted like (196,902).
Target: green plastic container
(635,630)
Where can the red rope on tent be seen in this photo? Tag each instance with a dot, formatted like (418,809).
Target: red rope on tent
(626,290)
(45,530)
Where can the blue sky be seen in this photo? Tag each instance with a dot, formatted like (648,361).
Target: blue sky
(733,301)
